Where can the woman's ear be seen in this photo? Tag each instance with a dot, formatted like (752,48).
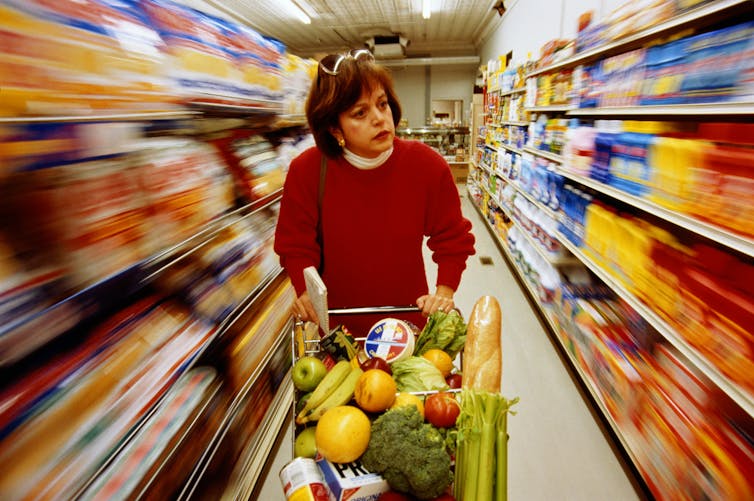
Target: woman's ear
(338,135)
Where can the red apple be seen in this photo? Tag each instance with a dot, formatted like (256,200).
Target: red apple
(376,363)
(454,380)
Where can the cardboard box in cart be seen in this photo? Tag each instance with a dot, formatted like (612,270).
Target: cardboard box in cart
(350,481)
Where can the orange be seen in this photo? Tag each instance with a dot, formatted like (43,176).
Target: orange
(405,398)
(342,434)
(375,390)
(440,359)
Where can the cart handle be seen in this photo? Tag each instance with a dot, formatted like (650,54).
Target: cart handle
(374,309)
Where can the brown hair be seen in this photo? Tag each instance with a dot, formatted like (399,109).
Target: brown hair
(331,95)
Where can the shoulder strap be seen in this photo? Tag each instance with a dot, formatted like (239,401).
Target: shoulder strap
(320,197)
(322,174)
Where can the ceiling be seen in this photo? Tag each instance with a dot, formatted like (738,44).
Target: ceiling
(455,27)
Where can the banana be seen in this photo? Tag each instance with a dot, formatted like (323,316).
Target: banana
(341,396)
(328,385)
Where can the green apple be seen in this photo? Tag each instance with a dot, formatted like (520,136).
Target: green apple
(305,444)
(308,371)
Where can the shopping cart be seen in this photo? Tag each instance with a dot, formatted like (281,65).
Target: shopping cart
(306,340)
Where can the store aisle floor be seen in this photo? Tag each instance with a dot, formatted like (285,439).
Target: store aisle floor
(557,451)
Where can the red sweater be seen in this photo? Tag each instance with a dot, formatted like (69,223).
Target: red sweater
(374,224)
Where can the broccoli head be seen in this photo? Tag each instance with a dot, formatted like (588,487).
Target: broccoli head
(408,453)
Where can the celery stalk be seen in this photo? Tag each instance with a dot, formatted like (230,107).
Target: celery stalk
(488,412)
(501,468)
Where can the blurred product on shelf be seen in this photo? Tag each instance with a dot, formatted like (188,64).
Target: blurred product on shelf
(61,427)
(157,462)
(245,352)
(218,277)
(298,73)
(663,407)
(214,61)
(98,216)
(78,58)
(258,169)
(628,18)
(89,57)
(707,67)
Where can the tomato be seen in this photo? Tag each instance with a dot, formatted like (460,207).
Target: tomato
(454,380)
(441,409)
(393,496)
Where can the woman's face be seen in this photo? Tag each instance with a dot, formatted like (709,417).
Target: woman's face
(367,126)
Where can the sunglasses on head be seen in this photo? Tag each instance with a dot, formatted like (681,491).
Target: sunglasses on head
(331,64)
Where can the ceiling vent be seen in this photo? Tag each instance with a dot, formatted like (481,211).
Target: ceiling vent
(388,46)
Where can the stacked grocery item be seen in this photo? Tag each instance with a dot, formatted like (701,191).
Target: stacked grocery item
(298,74)
(392,415)
(80,58)
(686,435)
(214,61)
(221,275)
(99,57)
(698,169)
(97,216)
(707,67)
(63,420)
(700,290)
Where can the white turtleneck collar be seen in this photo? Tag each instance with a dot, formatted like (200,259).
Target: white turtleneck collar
(364,163)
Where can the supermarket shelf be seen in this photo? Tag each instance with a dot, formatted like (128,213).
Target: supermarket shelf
(592,388)
(700,109)
(265,439)
(283,121)
(20,338)
(548,109)
(515,124)
(720,235)
(277,413)
(548,315)
(197,358)
(512,149)
(432,130)
(176,253)
(740,396)
(553,260)
(103,117)
(24,336)
(550,213)
(545,154)
(511,92)
(710,11)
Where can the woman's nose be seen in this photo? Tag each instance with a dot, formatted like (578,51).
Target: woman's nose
(378,115)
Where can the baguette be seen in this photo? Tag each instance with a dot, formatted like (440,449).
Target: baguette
(482,354)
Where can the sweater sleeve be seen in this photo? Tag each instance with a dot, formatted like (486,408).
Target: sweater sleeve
(296,231)
(450,237)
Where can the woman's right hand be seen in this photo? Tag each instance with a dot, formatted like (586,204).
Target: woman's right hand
(303,309)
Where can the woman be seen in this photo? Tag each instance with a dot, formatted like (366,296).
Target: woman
(382,196)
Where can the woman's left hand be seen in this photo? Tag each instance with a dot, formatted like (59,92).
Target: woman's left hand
(441,300)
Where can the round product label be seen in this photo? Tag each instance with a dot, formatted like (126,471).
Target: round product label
(391,339)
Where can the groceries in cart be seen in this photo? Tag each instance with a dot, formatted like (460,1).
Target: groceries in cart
(400,413)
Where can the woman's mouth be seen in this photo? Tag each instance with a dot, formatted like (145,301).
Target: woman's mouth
(382,135)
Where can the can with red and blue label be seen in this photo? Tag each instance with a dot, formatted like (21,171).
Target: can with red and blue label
(303,481)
